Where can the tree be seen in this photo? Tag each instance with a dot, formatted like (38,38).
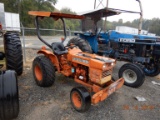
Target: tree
(120,21)
(71,24)
(23,6)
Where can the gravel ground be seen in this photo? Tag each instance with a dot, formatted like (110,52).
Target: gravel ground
(53,103)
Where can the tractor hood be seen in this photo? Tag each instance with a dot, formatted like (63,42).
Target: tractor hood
(91,60)
(134,38)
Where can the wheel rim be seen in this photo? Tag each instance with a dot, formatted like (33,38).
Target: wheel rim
(129,76)
(76,99)
(38,73)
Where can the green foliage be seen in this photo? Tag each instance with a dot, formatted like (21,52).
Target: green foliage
(10,5)
(23,6)
(71,24)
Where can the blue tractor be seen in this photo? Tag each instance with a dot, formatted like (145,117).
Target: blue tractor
(142,50)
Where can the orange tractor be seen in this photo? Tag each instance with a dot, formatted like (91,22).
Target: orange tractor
(93,72)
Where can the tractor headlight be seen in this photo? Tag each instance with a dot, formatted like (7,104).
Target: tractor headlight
(104,67)
(112,64)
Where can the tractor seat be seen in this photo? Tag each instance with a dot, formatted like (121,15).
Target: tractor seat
(58,48)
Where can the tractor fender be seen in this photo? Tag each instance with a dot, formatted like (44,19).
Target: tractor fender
(51,56)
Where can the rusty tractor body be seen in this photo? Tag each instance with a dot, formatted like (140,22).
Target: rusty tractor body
(93,72)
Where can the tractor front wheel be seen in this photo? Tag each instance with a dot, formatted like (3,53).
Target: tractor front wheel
(81,43)
(132,74)
(80,99)
(43,71)
(151,69)
(9,98)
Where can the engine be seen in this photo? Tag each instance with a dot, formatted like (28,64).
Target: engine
(82,73)
(129,51)
(126,49)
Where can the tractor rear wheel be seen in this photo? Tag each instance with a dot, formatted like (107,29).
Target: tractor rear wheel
(81,43)
(9,99)
(43,71)
(13,52)
(80,99)
(132,74)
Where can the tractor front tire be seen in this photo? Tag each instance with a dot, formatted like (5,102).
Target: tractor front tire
(81,43)
(80,99)
(9,98)
(132,74)
(154,71)
(13,52)
(43,71)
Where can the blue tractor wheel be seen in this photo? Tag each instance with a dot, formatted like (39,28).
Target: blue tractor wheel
(151,70)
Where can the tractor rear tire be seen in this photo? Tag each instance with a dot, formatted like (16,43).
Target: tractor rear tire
(132,74)
(13,52)
(43,71)
(80,99)
(81,43)
(9,98)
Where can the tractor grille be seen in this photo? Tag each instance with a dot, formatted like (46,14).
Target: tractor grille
(106,73)
(145,41)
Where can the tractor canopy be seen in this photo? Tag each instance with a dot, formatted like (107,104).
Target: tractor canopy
(92,19)
(105,12)
(55,14)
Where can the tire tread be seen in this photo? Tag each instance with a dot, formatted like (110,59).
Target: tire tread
(13,52)
(48,71)
(81,43)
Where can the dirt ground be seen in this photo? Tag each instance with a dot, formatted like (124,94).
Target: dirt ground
(53,103)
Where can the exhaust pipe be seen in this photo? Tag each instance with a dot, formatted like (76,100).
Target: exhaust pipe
(141,17)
